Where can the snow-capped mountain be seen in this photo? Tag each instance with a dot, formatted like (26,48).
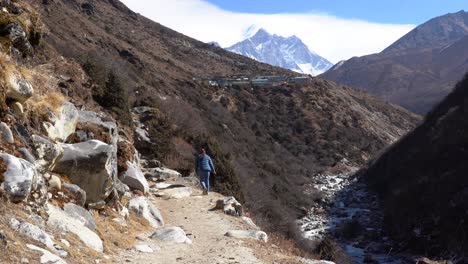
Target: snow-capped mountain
(290,53)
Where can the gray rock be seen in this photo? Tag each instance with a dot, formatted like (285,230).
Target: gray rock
(80,214)
(26,154)
(19,39)
(142,109)
(134,178)
(230,206)
(97,205)
(47,256)
(150,163)
(63,222)
(19,178)
(314,261)
(171,235)
(65,124)
(17,109)
(251,234)
(7,135)
(142,135)
(162,173)
(55,183)
(144,248)
(144,208)
(250,223)
(18,88)
(90,166)
(175,193)
(36,234)
(48,153)
(78,193)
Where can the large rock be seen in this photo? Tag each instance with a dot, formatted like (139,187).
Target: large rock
(144,208)
(79,195)
(19,38)
(171,235)
(162,173)
(36,234)
(252,234)
(80,214)
(64,124)
(62,221)
(47,256)
(47,152)
(134,177)
(20,177)
(6,134)
(18,88)
(230,206)
(89,165)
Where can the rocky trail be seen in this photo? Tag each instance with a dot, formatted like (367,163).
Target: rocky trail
(351,214)
(202,237)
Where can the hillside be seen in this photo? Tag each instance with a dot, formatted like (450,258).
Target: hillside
(434,222)
(418,70)
(274,138)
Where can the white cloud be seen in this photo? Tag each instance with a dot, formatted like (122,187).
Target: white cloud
(331,37)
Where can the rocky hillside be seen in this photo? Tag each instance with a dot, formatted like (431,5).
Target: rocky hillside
(267,142)
(426,171)
(418,70)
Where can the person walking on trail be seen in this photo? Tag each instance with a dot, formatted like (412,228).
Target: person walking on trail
(204,167)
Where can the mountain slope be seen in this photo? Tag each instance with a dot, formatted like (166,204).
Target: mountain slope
(426,171)
(267,141)
(416,71)
(289,53)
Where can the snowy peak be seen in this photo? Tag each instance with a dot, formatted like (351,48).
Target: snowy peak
(290,53)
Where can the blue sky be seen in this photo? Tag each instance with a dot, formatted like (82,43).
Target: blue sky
(379,11)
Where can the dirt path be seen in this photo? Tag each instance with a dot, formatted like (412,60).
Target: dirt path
(206,229)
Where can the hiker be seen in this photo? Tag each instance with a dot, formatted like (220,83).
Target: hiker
(204,167)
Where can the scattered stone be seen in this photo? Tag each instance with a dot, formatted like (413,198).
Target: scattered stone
(65,124)
(144,248)
(7,135)
(47,256)
(19,89)
(230,206)
(37,234)
(55,183)
(313,261)
(253,234)
(3,240)
(175,193)
(26,154)
(60,220)
(65,242)
(162,185)
(97,205)
(144,208)
(80,214)
(19,178)
(171,235)
(24,260)
(17,109)
(120,221)
(142,135)
(89,165)
(78,193)
(134,178)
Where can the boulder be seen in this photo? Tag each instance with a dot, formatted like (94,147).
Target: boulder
(55,183)
(79,195)
(48,153)
(175,193)
(144,208)
(47,256)
(250,223)
(36,234)
(162,173)
(20,177)
(80,214)
(90,166)
(64,124)
(171,235)
(18,38)
(26,154)
(6,134)
(144,248)
(252,234)
(62,221)
(17,109)
(134,177)
(230,206)
(18,88)
(142,135)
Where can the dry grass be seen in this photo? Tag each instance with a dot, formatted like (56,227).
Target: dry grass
(41,104)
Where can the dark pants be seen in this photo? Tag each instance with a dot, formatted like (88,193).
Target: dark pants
(205,179)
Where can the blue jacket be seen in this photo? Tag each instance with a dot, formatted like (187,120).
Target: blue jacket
(203,163)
